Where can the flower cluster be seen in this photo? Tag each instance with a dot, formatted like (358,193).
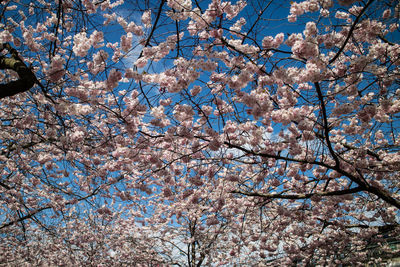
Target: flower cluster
(270,42)
(146,18)
(56,71)
(82,44)
(113,79)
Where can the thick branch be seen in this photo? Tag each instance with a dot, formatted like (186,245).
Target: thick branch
(325,123)
(26,77)
(27,216)
(36,211)
(300,196)
(379,192)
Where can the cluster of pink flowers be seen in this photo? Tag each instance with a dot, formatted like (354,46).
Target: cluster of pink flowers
(386,14)
(56,70)
(237,27)
(311,73)
(195,90)
(146,18)
(6,36)
(183,112)
(82,44)
(271,42)
(99,62)
(305,49)
(141,62)
(243,48)
(77,135)
(311,29)
(126,42)
(130,27)
(158,112)
(232,11)
(297,9)
(342,15)
(89,6)
(182,9)
(131,74)
(28,36)
(113,79)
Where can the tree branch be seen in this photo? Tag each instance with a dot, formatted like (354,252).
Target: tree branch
(325,123)
(350,32)
(300,196)
(26,77)
(36,211)
(379,192)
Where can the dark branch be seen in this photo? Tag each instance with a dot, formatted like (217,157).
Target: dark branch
(301,196)
(350,32)
(379,192)
(26,77)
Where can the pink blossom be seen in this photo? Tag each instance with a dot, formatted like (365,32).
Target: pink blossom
(13,7)
(183,112)
(77,136)
(270,42)
(342,15)
(130,27)
(56,71)
(180,4)
(90,6)
(296,9)
(356,9)
(195,90)
(279,38)
(324,12)
(113,79)
(146,18)
(311,29)
(6,36)
(386,14)
(393,27)
(207,110)
(126,42)
(158,112)
(216,33)
(96,39)
(305,49)
(312,73)
(293,38)
(237,27)
(131,74)
(165,102)
(81,44)
(292,18)
(311,5)
(141,62)
(233,10)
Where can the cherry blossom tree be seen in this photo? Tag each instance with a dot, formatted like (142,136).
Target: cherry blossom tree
(190,133)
